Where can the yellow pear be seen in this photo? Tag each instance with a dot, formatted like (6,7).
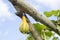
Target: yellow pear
(24,27)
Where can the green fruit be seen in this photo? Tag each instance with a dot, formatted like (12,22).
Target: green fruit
(24,28)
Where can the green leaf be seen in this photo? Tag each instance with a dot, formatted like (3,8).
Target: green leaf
(54,21)
(54,12)
(40,27)
(48,14)
(30,37)
(58,27)
(55,38)
(48,33)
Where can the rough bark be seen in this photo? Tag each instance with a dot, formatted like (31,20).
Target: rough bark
(26,7)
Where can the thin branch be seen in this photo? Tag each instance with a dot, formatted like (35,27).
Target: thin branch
(32,28)
(26,7)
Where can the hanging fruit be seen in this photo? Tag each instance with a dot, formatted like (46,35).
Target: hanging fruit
(24,27)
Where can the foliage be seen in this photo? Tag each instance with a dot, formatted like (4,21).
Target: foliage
(30,37)
(55,38)
(44,30)
(53,12)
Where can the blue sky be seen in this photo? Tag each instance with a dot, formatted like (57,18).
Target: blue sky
(9,22)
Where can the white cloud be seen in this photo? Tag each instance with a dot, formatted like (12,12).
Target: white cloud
(6,33)
(4,10)
(45,5)
(3,33)
(2,20)
(53,4)
(0,33)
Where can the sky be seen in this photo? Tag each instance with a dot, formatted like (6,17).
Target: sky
(9,22)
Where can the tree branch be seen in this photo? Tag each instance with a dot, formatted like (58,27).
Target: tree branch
(32,28)
(35,14)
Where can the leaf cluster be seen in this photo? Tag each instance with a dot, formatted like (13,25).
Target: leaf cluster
(44,30)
